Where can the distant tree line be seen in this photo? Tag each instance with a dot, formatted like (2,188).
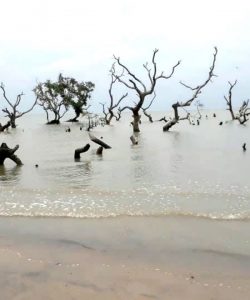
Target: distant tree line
(57,97)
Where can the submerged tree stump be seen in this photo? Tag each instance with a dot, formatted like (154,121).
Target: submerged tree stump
(6,152)
(81,150)
(134,140)
(99,150)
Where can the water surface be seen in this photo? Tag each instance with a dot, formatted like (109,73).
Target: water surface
(193,170)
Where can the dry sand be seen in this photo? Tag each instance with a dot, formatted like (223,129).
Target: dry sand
(123,258)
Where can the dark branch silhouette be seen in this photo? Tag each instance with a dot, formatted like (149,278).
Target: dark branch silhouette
(229,99)
(110,114)
(99,142)
(12,112)
(244,110)
(196,91)
(6,152)
(132,82)
(81,150)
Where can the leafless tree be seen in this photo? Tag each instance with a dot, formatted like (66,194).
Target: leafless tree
(12,111)
(110,114)
(244,110)
(229,99)
(132,82)
(196,91)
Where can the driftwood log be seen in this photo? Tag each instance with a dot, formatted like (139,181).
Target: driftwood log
(81,150)
(6,152)
(99,142)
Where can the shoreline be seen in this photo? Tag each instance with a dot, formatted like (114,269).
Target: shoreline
(124,258)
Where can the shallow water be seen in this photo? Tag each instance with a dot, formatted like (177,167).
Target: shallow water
(192,170)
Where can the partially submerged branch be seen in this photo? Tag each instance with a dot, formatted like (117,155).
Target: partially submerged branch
(244,112)
(81,150)
(6,152)
(99,142)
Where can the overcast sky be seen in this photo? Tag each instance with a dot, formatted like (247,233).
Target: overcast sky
(40,38)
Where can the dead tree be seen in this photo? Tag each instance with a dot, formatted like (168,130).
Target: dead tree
(6,152)
(12,112)
(132,82)
(244,110)
(109,114)
(229,99)
(196,91)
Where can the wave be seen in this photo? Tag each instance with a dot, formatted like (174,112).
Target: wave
(208,216)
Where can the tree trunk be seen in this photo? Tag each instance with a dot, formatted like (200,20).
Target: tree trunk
(13,121)
(136,122)
(169,124)
(75,118)
(230,108)
(99,150)
(6,152)
(53,122)
(110,117)
(175,119)
(108,120)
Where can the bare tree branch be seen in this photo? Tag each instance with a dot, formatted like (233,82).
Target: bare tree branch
(134,83)
(14,114)
(229,98)
(196,91)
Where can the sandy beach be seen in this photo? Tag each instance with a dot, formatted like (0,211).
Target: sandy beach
(124,258)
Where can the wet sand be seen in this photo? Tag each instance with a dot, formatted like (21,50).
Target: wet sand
(124,258)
